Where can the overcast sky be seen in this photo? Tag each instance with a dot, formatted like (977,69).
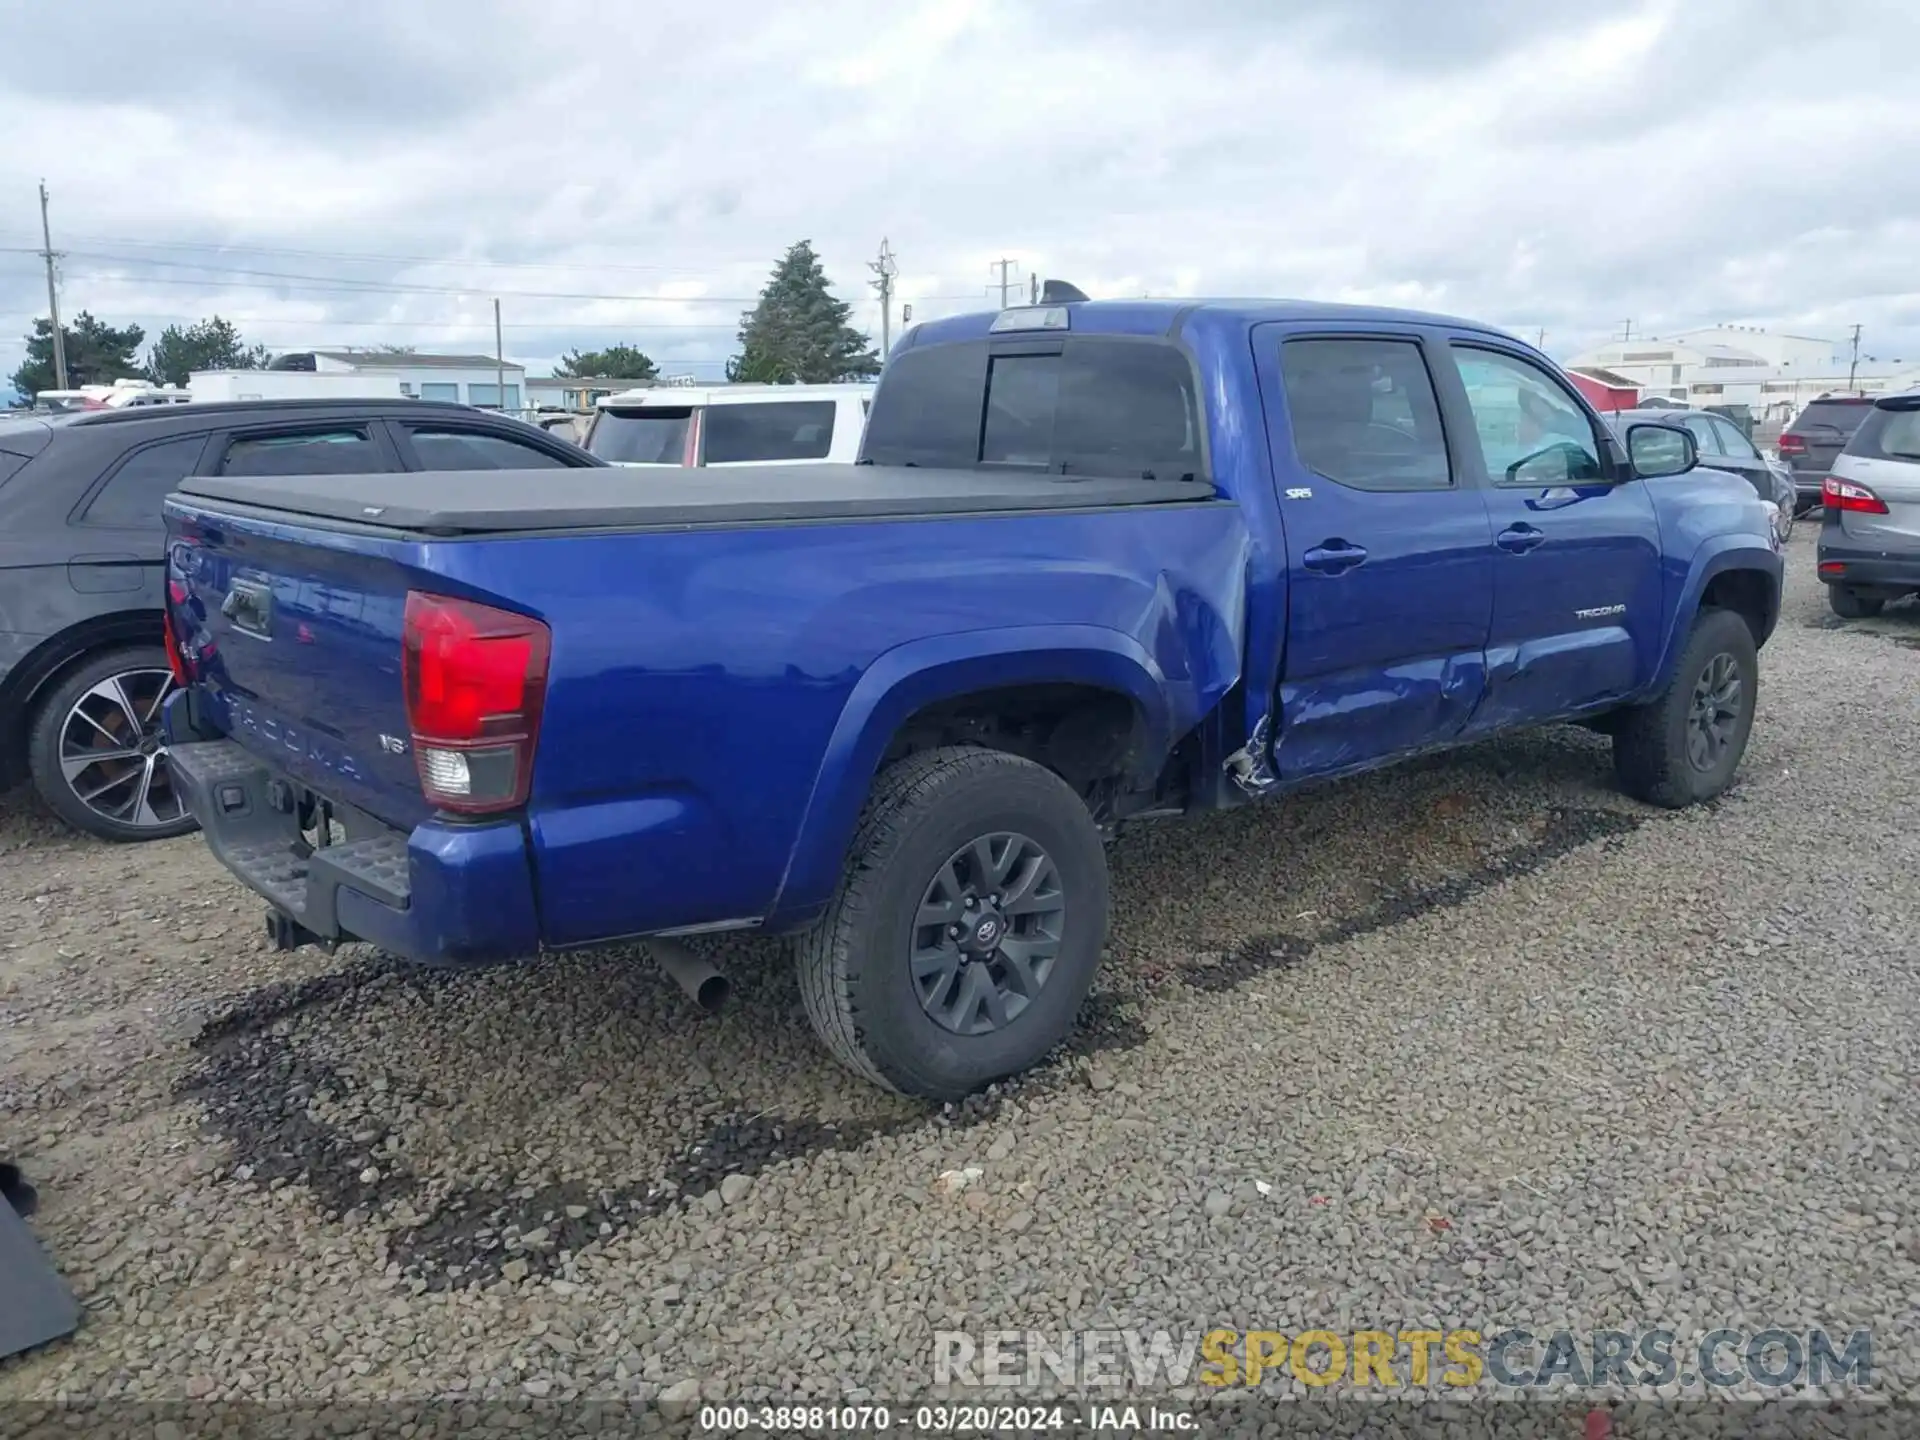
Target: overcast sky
(383,170)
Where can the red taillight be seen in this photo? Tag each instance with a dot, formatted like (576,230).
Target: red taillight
(1838,494)
(475,680)
(176,662)
(1792,445)
(1833,567)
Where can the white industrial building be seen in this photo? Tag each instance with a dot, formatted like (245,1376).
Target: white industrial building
(463,379)
(1770,372)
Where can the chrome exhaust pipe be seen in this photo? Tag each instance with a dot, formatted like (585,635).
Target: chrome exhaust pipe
(706,986)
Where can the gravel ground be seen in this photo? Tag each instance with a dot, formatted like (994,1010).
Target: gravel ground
(1497,1045)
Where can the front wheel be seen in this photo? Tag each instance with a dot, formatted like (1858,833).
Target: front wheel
(1685,746)
(96,752)
(967,929)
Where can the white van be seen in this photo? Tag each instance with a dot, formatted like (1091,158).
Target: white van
(731,425)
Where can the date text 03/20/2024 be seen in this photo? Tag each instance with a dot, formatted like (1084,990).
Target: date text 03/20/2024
(948,1419)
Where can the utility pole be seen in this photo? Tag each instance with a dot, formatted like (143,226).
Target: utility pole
(1626,331)
(53,297)
(499,361)
(1853,365)
(884,269)
(1005,267)
(1540,341)
(1033,287)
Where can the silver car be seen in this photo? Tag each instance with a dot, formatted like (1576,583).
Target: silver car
(1870,540)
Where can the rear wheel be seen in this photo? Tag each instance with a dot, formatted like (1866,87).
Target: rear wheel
(968,928)
(1685,746)
(95,748)
(1849,604)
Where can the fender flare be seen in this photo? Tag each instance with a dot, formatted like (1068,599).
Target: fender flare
(911,677)
(1716,556)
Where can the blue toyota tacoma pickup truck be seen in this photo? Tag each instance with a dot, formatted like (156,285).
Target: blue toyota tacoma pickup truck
(1097,560)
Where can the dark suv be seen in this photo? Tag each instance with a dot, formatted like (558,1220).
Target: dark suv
(1818,434)
(82,665)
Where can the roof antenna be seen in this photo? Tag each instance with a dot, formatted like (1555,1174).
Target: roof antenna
(1059,292)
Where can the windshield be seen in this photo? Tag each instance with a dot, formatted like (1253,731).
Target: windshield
(651,435)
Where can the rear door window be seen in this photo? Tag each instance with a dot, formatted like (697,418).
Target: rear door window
(1704,436)
(131,498)
(1733,443)
(643,435)
(443,449)
(1364,413)
(335,450)
(776,430)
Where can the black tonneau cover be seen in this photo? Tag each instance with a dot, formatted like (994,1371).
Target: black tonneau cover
(472,502)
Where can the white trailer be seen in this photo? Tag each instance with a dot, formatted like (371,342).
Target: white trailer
(216,385)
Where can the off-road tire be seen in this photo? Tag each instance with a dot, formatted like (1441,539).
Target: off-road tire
(1849,604)
(854,976)
(1650,744)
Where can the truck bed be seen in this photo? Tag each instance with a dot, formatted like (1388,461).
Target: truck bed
(496,502)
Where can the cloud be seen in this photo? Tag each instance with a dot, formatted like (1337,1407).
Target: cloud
(614,173)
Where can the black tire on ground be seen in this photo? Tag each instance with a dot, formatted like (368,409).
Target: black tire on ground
(1850,604)
(855,977)
(43,747)
(1651,750)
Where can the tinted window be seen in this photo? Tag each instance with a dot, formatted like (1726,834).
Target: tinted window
(1364,413)
(778,430)
(1831,417)
(1530,429)
(656,435)
(131,499)
(470,450)
(1092,407)
(1732,442)
(304,452)
(927,409)
(1887,435)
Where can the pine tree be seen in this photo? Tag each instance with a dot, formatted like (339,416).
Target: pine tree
(798,332)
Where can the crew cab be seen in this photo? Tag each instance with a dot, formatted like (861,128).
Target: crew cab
(1097,561)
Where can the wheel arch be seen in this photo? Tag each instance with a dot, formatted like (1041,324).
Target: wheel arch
(42,667)
(916,678)
(1729,572)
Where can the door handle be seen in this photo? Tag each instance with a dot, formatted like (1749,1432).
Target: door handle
(1519,539)
(1335,557)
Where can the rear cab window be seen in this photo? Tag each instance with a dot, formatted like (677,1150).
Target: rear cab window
(328,450)
(1087,406)
(641,434)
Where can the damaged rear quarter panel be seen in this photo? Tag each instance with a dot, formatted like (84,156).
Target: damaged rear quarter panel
(719,698)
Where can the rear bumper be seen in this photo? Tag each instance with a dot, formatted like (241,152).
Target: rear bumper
(1869,569)
(440,895)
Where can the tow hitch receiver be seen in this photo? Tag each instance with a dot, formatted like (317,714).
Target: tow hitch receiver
(286,933)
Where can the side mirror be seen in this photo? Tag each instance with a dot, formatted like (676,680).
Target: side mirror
(1657,450)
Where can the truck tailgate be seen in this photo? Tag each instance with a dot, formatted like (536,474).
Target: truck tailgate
(295,640)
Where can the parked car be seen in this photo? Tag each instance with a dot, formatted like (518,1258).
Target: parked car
(1817,435)
(731,425)
(1723,446)
(82,546)
(1870,536)
(1097,561)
